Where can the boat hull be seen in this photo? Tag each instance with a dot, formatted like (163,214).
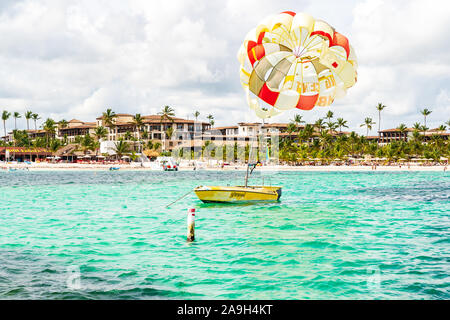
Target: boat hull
(222,194)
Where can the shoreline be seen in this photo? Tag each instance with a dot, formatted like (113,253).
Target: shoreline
(328,168)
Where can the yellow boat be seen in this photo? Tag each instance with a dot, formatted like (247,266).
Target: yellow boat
(237,193)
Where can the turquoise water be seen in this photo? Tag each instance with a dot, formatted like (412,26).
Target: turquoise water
(332,236)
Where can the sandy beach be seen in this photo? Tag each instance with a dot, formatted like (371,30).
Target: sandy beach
(5,167)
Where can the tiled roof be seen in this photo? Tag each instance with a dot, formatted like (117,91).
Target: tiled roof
(36,131)
(155,118)
(81,126)
(397,130)
(249,123)
(223,128)
(123,123)
(279,125)
(117,115)
(440,133)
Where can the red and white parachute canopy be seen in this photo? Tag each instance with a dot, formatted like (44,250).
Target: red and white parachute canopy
(294,61)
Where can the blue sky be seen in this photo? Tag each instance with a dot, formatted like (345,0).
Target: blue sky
(73,59)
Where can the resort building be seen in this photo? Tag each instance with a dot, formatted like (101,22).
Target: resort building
(169,132)
(435,132)
(244,129)
(391,135)
(75,128)
(240,134)
(244,132)
(33,134)
(8,138)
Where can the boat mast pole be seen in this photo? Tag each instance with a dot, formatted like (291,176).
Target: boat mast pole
(246,175)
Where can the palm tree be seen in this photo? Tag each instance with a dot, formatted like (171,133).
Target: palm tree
(425,112)
(331,126)
(380,108)
(167,113)
(434,154)
(196,114)
(156,146)
(211,119)
(35,117)
(16,115)
(121,147)
(55,145)
(341,123)
(402,129)
(424,130)
(169,132)
(291,127)
(329,115)
(96,146)
(307,133)
(368,123)
(324,139)
(138,123)
(149,145)
(298,119)
(28,116)
(319,124)
(49,128)
(63,124)
(100,132)
(109,118)
(128,136)
(86,143)
(5,116)
(442,127)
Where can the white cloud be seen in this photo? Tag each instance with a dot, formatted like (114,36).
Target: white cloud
(73,59)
